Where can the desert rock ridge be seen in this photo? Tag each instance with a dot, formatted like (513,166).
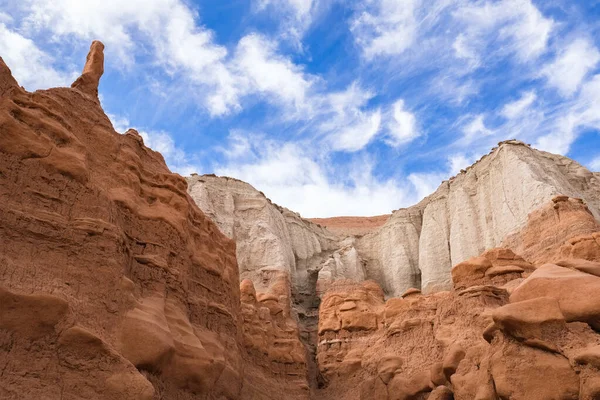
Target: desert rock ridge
(122,280)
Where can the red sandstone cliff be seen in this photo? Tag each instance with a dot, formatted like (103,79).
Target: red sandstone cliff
(113,284)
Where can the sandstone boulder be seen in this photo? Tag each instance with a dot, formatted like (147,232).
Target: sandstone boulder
(452,359)
(388,367)
(401,388)
(583,247)
(524,373)
(589,267)
(589,356)
(576,292)
(549,227)
(536,321)
(441,393)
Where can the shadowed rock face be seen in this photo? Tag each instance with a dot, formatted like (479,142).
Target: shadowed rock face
(113,284)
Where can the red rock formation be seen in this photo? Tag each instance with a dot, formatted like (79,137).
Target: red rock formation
(271,337)
(475,342)
(548,229)
(494,266)
(113,284)
(92,71)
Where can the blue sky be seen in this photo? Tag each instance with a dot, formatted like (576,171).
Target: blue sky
(329,107)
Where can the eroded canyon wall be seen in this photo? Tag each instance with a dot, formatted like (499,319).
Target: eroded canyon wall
(416,246)
(113,283)
(469,213)
(506,330)
(275,244)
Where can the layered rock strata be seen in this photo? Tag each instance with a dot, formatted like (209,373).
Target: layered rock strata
(274,242)
(508,328)
(351,226)
(473,211)
(483,207)
(113,283)
(479,342)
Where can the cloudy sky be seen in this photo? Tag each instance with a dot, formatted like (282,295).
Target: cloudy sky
(330,107)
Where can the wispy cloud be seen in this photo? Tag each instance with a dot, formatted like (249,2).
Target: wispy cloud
(403,126)
(31,66)
(294,175)
(518,107)
(571,65)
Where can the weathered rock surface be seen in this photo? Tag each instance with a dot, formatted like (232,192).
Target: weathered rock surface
(270,237)
(497,202)
(113,283)
(575,291)
(351,226)
(495,266)
(475,211)
(550,227)
(272,240)
(476,343)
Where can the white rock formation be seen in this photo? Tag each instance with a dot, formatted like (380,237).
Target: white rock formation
(272,237)
(417,246)
(469,213)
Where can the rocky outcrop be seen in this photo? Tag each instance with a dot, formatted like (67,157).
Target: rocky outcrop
(92,71)
(507,329)
(113,283)
(271,336)
(472,212)
(550,227)
(267,236)
(487,205)
(469,343)
(7,82)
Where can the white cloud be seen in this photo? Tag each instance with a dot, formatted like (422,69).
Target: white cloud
(426,183)
(387,28)
(594,165)
(355,136)
(517,108)
(403,126)
(295,16)
(522,27)
(559,141)
(169,31)
(293,174)
(463,50)
(457,162)
(345,120)
(571,66)
(31,66)
(583,112)
(259,69)
(476,129)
